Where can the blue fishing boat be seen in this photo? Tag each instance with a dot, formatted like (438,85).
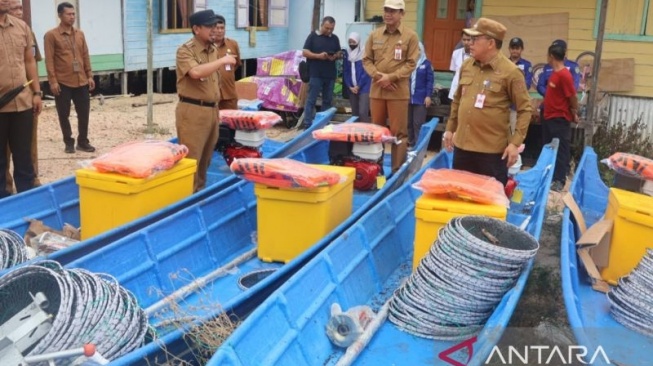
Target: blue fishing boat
(588,310)
(58,202)
(364,266)
(200,254)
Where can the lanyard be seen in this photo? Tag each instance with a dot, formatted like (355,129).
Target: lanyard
(72,43)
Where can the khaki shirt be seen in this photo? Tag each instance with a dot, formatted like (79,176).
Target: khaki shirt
(380,57)
(15,41)
(189,55)
(228,77)
(64,49)
(487,129)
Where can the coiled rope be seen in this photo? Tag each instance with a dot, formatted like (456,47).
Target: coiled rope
(466,273)
(13,250)
(86,308)
(631,302)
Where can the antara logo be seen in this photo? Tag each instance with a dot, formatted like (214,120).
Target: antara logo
(545,355)
(531,355)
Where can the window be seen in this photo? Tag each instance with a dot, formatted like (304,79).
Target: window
(262,13)
(175,14)
(627,20)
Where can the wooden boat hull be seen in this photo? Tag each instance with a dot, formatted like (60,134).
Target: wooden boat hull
(194,241)
(58,202)
(588,311)
(364,266)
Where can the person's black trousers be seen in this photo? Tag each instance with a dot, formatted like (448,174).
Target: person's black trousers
(559,128)
(16,130)
(481,163)
(82,100)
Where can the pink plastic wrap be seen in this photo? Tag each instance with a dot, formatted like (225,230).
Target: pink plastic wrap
(281,64)
(463,185)
(140,159)
(279,93)
(248,120)
(355,132)
(630,164)
(283,173)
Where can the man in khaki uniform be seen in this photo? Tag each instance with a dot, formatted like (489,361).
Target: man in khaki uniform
(227,46)
(480,112)
(199,92)
(391,54)
(16,9)
(17,115)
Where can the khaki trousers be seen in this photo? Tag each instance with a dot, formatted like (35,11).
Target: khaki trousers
(393,112)
(35,159)
(197,128)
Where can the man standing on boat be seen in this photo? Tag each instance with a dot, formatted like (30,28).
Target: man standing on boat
(227,46)
(480,111)
(16,116)
(68,64)
(391,54)
(199,92)
(560,110)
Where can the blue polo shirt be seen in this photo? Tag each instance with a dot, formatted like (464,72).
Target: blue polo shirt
(546,74)
(318,43)
(527,68)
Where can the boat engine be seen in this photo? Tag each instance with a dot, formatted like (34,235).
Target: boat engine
(231,148)
(366,172)
(366,158)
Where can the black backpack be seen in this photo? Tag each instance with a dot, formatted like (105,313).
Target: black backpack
(303,72)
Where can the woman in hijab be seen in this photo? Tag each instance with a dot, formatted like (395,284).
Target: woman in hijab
(357,80)
(421,88)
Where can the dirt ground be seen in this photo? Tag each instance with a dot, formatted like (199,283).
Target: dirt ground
(121,119)
(113,120)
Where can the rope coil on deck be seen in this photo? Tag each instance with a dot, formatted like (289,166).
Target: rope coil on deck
(13,250)
(631,302)
(465,274)
(86,308)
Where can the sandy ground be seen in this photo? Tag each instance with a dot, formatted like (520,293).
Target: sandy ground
(113,120)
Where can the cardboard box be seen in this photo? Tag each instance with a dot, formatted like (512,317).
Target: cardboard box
(246,89)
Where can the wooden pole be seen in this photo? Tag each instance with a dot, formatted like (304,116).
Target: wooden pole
(150,82)
(317,6)
(592,110)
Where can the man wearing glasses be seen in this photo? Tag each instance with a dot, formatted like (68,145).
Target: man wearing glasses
(480,112)
(199,92)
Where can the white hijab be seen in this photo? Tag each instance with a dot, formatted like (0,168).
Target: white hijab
(355,55)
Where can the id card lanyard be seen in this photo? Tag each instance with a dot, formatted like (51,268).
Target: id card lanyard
(71,39)
(398,51)
(480,97)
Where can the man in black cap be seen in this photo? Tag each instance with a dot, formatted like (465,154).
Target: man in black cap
(546,73)
(199,92)
(516,46)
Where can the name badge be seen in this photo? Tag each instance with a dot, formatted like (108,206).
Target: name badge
(76,67)
(398,52)
(480,100)
(227,66)
(521,67)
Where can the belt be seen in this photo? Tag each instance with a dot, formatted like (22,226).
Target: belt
(200,103)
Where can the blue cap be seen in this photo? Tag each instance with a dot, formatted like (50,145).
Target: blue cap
(203,17)
(561,43)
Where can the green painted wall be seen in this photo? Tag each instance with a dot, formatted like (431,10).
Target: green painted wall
(114,62)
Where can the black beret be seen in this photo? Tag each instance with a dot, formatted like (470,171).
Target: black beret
(203,17)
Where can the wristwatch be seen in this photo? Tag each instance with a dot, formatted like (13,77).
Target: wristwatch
(39,93)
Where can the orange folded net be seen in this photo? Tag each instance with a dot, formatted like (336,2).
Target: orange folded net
(355,132)
(140,159)
(463,185)
(284,173)
(631,164)
(248,120)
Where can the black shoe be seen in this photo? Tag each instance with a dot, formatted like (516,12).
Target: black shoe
(304,126)
(86,147)
(557,186)
(70,149)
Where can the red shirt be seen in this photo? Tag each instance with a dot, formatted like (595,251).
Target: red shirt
(558,91)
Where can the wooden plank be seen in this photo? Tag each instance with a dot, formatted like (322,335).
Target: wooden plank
(617,75)
(538,4)
(537,31)
(575,13)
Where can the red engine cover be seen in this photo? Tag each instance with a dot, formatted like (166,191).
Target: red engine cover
(366,173)
(237,152)
(510,187)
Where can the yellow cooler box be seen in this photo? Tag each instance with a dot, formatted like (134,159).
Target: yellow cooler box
(108,200)
(434,212)
(290,220)
(632,232)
